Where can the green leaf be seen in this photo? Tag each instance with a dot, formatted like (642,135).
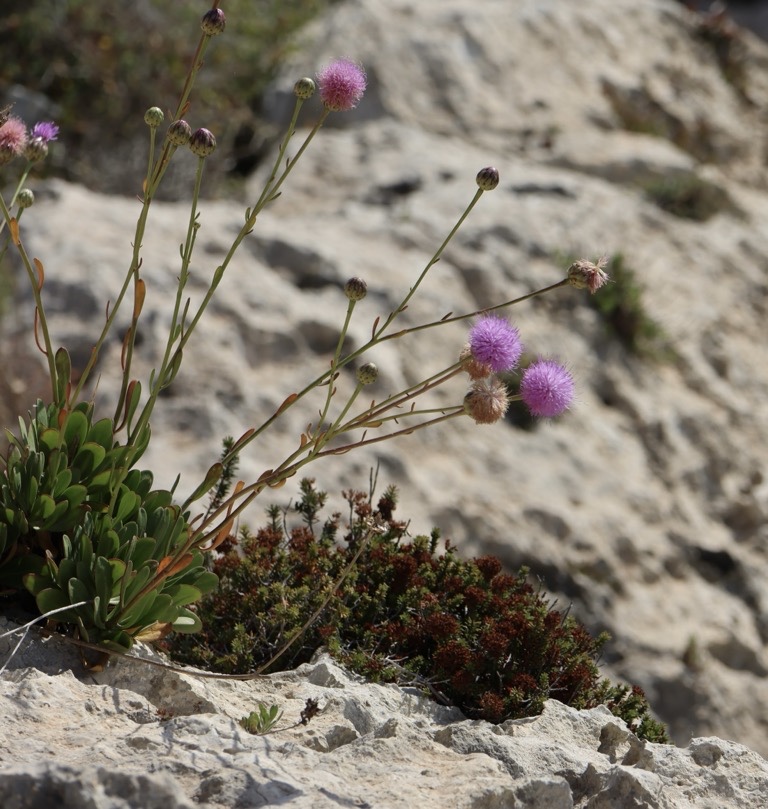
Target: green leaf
(53,599)
(101,434)
(50,439)
(88,459)
(183,594)
(212,477)
(170,374)
(61,484)
(187,622)
(127,504)
(78,591)
(136,614)
(75,430)
(63,374)
(42,509)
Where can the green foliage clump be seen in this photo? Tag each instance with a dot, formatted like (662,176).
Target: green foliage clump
(77,524)
(463,630)
(621,307)
(689,196)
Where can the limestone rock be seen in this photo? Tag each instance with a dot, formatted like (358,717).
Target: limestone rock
(136,735)
(645,507)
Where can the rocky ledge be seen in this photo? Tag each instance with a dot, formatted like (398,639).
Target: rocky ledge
(138,735)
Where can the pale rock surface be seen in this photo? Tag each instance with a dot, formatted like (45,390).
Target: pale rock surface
(139,736)
(646,506)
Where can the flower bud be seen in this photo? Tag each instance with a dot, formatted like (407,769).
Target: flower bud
(179,133)
(356,289)
(36,150)
(25,198)
(487,179)
(367,374)
(153,117)
(304,88)
(202,143)
(214,22)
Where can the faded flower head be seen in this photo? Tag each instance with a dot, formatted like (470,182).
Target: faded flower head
(547,388)
(475,369)
(494,342)
(13,139)
(487,401)
(45,131)
(583,274)
(342,84)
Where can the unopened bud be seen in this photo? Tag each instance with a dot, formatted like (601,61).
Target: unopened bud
(487,179)
(356,289)
(214,22)
(179,133)
(367,374)
(304,88)
(153,117)
(25,198)
(202,143)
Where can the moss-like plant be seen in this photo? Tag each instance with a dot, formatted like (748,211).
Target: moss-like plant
(621,307)
(689,196)
(463,630)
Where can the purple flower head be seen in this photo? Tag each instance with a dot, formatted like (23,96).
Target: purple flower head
(342,84)
(13,139)
(46,131)
(495,343)
(547,388)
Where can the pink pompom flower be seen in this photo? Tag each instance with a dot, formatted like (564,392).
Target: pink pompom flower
(547,388)
(495,343)
(13,139)
(342,84)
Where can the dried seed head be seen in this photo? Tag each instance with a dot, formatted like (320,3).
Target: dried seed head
(356,289)
(583,274)
(487,401)
(473,367)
